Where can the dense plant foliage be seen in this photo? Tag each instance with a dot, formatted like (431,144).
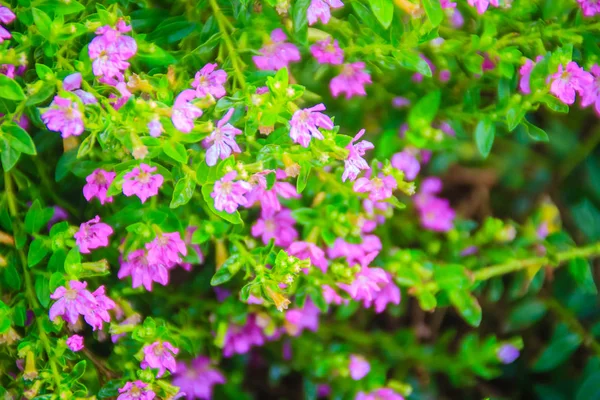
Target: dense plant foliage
(376,199)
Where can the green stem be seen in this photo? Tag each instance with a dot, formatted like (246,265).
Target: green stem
(29,292)
(567,317)
(223,25)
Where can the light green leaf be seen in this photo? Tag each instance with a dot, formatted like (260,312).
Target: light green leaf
(484,136)
(383,11)
(10,89)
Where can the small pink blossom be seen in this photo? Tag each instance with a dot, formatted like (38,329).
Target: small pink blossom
(447,4)
(98,313)
(359,367)
(378,188)
(197,379)
(406,162)
(110,51)
(298,319)
(92,235)
(366,285)
(590,8)
(221,142)
(269,198)
(321,10)
(379,394)
(276,53)
(278,226)
(167,249)
(184,112)
(6,15)
(72,302)
(160,355)
(435,213)
(305,124)
(591,92)
(355,162)
(141,183)
(482,5)
(351,81)
(75,343)
(240,339)
(137,390)
(229,195)
(155,127)
(331,296)
(142,272)
(525,72)
(327,51)
(307,250)
(64,116)
(210,80)
(97,185)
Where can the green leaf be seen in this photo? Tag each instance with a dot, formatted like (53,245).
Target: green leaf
(10,89)
(434,11)
(183,192)
(42,94)
(581,271)
(452,276)
(427,300)
(534,132)
(305,168)
(514,115)
(42,290)
(12,277)
(383,11)
(44,72)
(484,136)
(111,389)
(229,268)
(413,61)
(298,13)
(589,389)
(234,218)
(467,306)
(86,146)
(18,138)
(42,21)
(37,217)
(37,252)
(8,155)
(20,315)
(73,262)
(526,314)
(562,344)
(176,151)
(424,111)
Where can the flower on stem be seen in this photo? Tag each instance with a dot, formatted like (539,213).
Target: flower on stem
(278,226)
(167,249)
(137,390)
(269,198)
(97,185)
(208,81)
(64,116)
(240,339)
(307,250)
(351,81)
(110,51)
(221,142)
(321,10)
(354,163)
(6,17)
(327,51)
(508,353)
(184,112)
(305,124)
(589,7)
(72,301)
(75,343)
(141,183)
(160,355)
(567,81)
(435,213)
(155,127)
(98,313)
(591,92)
(197,379)
(482,5)
(379,188)
(406,162)
(92,235)
(359,367)
(298,319)
(276,53)
(379,394)
(142,272)
(229,195)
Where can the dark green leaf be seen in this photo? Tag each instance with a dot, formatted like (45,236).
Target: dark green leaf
(37,252)
(229,268)
(484,136)
(581,271)
(18,138)
(562,344)
(184,189)
(42,290)
(467,306)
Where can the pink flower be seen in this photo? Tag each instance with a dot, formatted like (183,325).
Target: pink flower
(366,285)
(435,213)
(276,53)
(155,127)
(269,198)
(64,116)
(97,314)
(359,367)
(141,182)
(137,390)
(208,81)
(354,163)
(482,5)
(72,302)
(240,339)
(97,185)
(362,254)
(92,235)
(222,140)
(327,51)
(298,319)
(307,250)
(4,34)
(389,293)
(331,296)
(406,162)
(525,72)
(305,124)
(184,113)
(160,355)
(320,10)
(167,249)
(400,102)
(278,226)
(6,15)
(590,7)
(591,92)
(75,343)
(142,272)
(351,81)
(379,394)
(229,195)
(110,51)
(197,379)
(378,188)
(447,4)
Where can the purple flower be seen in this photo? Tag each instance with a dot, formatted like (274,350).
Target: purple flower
(137,390)
(184,113)
(569,80)
(229,195)
(269,198)
(71,302)
(435,213)
(278,226)
(307,250)
(167,249)
(155,127)
(591,92)
(354,163)
(72,82)
(400,102)
(141,182)
(197,379)
(525,72)
(221,141)
(276,53)
(327,51)
(331,296)
(590,7)
(320,10)
(389,293)
(359,367)
(366,285)
(92,234)
(97,185)
(208,81)
(379,394)
(160,355)
(445,75)
(110,51)
(305,124)
(64,116)
(298,319)
(378,188)
(75,342)
(447,4)
(98,312)
(351,81)
(508,353)
(406,162)
(6,15)
(239,339)
(4,34)
(142,272)
(482,5)
(356,254)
